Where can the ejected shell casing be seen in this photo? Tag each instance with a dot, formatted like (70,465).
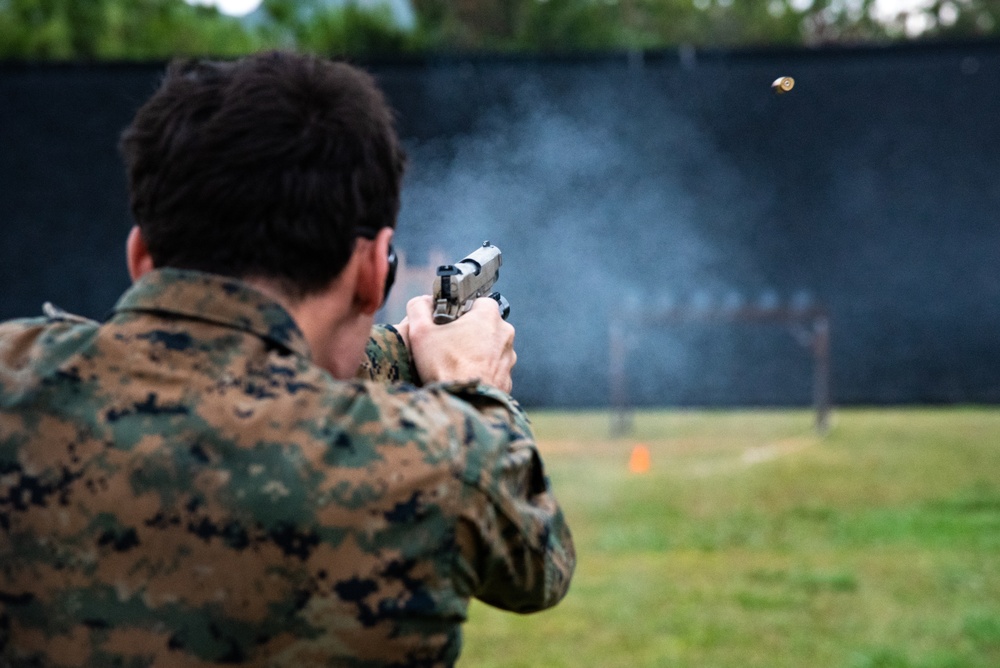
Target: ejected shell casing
(783,85)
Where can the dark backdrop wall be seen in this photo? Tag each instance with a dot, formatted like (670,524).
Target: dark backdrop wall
(633,181)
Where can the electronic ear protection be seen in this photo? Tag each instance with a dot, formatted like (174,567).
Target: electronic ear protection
(390,277)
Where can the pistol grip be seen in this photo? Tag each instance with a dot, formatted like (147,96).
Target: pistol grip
(502,303)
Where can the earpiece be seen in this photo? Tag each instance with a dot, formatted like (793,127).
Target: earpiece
(390,278)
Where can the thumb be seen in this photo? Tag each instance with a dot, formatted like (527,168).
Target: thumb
(420,311)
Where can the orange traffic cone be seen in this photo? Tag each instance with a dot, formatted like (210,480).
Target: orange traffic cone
(639,461)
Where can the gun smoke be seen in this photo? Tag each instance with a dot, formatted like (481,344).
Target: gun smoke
(597,203)
(626,181)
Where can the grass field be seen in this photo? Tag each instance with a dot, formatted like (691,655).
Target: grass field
(754,542)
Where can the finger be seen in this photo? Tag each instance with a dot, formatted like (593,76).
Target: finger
(420,310)
(509,332)
(483,303)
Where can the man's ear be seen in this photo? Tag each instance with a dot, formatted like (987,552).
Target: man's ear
(374,270)
(137,256)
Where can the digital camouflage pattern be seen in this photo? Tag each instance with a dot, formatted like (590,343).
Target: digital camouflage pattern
(387,359)
(181,486)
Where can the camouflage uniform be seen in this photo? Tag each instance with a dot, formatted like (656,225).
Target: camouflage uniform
(181,486)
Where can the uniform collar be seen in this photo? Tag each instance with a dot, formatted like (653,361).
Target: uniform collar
(221,300)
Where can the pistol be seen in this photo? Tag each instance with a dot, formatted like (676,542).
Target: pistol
(457,285)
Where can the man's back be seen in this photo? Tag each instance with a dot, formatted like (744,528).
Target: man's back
(182,485)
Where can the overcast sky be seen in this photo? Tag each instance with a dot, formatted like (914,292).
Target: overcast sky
(232,7)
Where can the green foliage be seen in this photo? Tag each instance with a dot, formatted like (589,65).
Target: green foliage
(157,29)
(319,27)
(143,29)
(565,25)
(117,29)
(557,25)
(949,19)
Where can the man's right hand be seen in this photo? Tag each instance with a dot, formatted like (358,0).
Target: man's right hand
(477,346)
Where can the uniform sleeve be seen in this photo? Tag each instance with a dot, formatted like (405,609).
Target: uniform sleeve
(387,359)
(516,550)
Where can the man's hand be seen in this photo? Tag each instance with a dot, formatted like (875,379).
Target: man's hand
(479,345)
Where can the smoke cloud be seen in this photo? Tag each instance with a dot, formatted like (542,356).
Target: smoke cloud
(599,204)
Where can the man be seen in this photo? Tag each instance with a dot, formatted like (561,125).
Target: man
(200,480)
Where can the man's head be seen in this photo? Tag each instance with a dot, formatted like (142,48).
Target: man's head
(268,168)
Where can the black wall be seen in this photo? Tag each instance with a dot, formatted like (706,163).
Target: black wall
(628,180)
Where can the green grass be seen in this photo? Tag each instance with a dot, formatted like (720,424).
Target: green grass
(754,542)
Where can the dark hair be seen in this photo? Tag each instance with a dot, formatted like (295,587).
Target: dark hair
(269,167)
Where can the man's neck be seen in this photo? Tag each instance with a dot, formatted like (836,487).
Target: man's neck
(335,331)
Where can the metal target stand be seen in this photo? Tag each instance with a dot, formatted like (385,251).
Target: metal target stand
(809,324)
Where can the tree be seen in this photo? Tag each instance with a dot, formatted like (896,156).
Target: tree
(142,29)
(117,29)
(564,25)
(158,29)
(949,19)
(334,28)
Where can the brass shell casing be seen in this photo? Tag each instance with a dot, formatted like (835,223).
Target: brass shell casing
(783,85)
